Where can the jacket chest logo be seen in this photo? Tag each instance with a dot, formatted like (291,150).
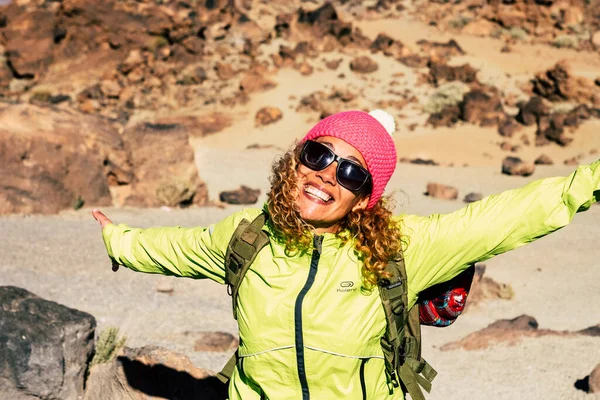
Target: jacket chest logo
(346,286)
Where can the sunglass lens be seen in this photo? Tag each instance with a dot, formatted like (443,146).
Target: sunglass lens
(316,156)
(351,176)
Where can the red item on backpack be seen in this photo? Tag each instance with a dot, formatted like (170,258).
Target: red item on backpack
(441,304)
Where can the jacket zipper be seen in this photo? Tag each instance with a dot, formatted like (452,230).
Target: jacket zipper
(314,262)
(363,384)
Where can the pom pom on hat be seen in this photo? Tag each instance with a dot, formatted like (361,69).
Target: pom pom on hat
(371,136)
(384,119)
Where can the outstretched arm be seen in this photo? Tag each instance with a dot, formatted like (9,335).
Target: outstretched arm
(441,246)
(188,252)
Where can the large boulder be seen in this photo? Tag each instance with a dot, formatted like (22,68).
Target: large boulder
(163,161)
(52,159)
(44,347)
(152,373)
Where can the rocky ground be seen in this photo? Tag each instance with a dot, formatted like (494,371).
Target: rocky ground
(152,110)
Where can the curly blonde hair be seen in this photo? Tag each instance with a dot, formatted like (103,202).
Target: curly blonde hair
(377,238)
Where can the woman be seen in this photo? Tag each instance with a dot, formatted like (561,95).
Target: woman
(301,336)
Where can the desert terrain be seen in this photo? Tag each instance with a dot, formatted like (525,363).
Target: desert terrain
(152,134)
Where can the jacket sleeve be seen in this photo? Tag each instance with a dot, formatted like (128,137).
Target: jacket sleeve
(441,246)
(188,252)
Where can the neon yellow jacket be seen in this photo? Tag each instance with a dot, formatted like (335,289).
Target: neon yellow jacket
(306,329)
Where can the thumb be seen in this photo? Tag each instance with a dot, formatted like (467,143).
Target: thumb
(101,218)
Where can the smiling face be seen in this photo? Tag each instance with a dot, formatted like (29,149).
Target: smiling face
(322,201)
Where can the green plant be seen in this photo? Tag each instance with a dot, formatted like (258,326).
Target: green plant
(175,192)
(497,33)
(448,94)
(78,203)
(568,41)
(459,22)
(41,96)
(518,33)
(107,346)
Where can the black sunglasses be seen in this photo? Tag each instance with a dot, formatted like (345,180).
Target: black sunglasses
(349,174)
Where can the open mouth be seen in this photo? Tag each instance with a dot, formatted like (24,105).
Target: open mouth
(316,193)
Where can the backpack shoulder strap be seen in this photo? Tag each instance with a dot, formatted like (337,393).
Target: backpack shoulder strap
(401,343)
(246,242)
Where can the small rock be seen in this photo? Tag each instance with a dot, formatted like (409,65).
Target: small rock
(255,82)
(333,64)
(165,287)
(516,166)
(215,341)
(364,65)
(134,59)
(508,127)
(543,160)
(473,197)
(420,161)
(447,117)
(224,71)
(506,146)
(573,161)
(110,88)
(268,115)
(523,322)
(192,76)
(305,68)
(532,111)
(440,191)
(243,195)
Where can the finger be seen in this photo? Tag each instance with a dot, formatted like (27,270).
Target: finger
(101,218)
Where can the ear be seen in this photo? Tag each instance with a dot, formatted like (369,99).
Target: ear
(361,203)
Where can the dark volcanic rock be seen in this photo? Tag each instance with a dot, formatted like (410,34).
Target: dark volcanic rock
(472,197)
(479,107)
(516,166)
(268,115)
(508,127)
(441,50)
(557,84)
(449,116)
(555,132)
(441,72)
(243,195)
(44,347)
(363,64)
(441,191)
(543,160)
(531,112)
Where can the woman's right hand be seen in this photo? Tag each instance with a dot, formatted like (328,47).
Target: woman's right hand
(103,220)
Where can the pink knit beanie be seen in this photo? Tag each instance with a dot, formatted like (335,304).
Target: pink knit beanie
(367,134)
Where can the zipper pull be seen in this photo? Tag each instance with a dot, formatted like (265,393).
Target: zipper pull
(318,243)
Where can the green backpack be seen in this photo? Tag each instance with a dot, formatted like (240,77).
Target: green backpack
(401,343)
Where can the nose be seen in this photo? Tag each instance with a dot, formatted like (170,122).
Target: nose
(327,175)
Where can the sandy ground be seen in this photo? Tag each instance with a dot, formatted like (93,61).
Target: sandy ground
(556,280)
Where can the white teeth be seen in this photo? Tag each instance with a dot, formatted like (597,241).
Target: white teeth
(317,193)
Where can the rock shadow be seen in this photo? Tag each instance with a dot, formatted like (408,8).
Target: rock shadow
(161,381)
